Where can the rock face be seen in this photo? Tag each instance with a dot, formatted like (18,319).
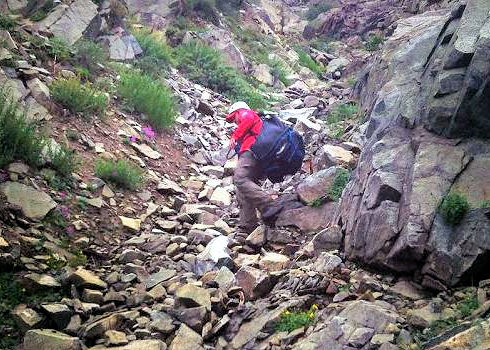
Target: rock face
(389,210)
(69,22)
(34,204)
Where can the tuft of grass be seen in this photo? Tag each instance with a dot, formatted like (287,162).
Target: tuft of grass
(78,97)
(89,55)
(79,259)
(316,203)
(149,96)
(157,53)
(58,49)
(291,320)
(307,61)
(19,139)
(11,295)
(468,305)
(64,161)
(484,204)
(453,208)
(122,173)
(374,42)
(338,185)
(6,22)
(205,65)
(279,71)
(343,112)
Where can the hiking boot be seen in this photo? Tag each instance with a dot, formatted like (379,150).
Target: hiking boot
(269,215)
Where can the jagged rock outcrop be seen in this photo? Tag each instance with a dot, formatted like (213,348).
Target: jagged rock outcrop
(431,81)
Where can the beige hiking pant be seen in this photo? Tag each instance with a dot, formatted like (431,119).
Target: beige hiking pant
(250,195)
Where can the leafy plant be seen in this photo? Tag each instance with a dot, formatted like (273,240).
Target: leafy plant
(64,161)
(205,65)
(19,139)
(316,203)
(148,96)
(39,15)
(78,97)
(342,112)
(453,208)
(6,22)
(89,55)
(374,42)
(157,53)
(123,173)
(79,259)
(307,61)
(338,185)
(11,295)
(291,320)
(279,71)
(58,49)
(484,204)
(468,305)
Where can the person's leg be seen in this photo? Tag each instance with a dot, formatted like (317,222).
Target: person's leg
(248,220)
(251,195)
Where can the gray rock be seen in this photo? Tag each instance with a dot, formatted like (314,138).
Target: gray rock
(317,185)
(27,318)
(49,339)
(34,204)
(69,22)
(186,339)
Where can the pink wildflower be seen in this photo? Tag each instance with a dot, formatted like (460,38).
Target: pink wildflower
(70,230)
(133,138)
(149,133)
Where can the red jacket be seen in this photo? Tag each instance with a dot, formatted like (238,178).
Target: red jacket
(249,126)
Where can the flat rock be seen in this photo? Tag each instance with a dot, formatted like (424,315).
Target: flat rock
(317,185)
(191,296)
(254,282)
(40,281)
(167,186)
(159,277)
(146,150)
(273,262)
(49,339)
(135,345)
(87,279)
(133,224)
(26,318)
(34,204)
(186,339)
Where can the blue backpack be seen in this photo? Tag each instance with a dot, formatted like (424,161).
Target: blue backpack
(279,149)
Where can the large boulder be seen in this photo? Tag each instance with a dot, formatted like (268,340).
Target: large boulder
(34,204)
(69,22)
(221,40)
(49,339)
(389,211)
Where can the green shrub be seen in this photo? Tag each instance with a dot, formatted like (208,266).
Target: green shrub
(39,15)
(6,22)
(468,305)
(315,10)
(122,173)
(157,53)
(11,295)
(279,71)
(338,185)
(321,43)
(90,55)
(306,61)
(205,65)
(64,161)
(58,49)
(78,97)
(149,96)
(484,204)
(453,208)
(342,112)
(19,139)
(291,320)
(374,42)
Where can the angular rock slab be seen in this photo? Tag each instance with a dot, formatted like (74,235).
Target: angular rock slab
(135,345)
(69,22)
(34,204)
(49,339)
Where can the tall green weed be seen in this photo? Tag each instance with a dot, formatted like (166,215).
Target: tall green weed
(149,96)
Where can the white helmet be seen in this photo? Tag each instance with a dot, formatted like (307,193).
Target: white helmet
(238,105)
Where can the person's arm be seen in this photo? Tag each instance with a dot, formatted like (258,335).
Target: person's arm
(247,121)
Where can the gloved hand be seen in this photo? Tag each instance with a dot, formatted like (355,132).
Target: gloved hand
(232,143)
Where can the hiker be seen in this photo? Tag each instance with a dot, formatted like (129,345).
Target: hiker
(249,170)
